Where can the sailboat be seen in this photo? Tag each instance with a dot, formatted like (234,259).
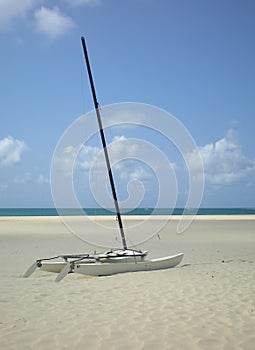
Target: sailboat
(113,261)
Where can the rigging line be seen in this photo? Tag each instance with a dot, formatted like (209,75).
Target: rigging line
(133,245)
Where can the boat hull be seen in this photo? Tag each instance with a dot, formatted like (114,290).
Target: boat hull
(118,266)
(106,269)
(53,266)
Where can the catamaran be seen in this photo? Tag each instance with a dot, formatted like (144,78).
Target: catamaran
(115,260)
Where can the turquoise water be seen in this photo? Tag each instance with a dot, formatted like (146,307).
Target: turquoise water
(137,211)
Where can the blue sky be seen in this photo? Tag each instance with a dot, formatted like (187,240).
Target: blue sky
(192,58)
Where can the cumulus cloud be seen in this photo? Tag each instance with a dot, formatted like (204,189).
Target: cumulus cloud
(129,168)
(134,169)
(41,180)
(29,178)
(119,149)
(82,2)
(13,9)
(52,22)
(87,156)
(224,161)
(11,150)
(134,172)
(23,178)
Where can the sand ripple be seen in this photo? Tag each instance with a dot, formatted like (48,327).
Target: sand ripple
(206,303)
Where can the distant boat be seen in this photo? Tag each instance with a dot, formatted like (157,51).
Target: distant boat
(114,261)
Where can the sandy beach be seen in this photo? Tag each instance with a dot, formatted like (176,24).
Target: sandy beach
(207,302)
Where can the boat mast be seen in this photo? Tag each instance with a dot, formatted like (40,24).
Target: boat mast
(97,109)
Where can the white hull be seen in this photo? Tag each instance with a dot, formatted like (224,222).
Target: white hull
(121,265)
(104,269)
(53,266)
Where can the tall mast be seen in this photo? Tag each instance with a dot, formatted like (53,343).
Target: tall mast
(97,109)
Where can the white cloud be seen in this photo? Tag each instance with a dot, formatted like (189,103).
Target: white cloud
(131,169)
(52,23)
(29,178)
(130,160)
(13,9)
(224,162)
(23,178)
(118,138)
(134,171)
(87,156)
(66,159)
(41,180)
(11,150)
(82,2)
(119,149)
(80,157)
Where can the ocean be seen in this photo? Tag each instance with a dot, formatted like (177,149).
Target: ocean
(137,211)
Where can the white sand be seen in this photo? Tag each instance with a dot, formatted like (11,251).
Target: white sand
(204,303)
